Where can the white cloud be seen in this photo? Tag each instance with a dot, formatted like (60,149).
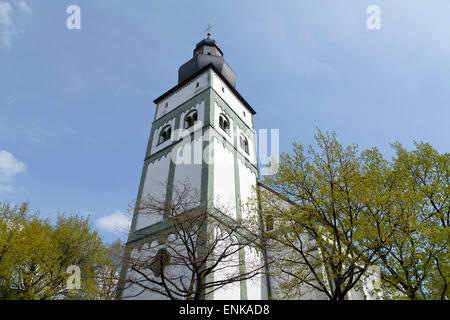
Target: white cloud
(7,29)
(23,5)
(6,26)
(117,222)
(5,188)
(9,168)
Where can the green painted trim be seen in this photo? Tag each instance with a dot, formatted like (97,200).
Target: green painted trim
(207,196)
(242,269)
(237,196)
(138,200)
(123,273)
(169,189)
(149,231)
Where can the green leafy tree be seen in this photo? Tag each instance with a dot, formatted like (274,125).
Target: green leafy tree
(333,211)
(417,266)
(326,237)
(35,255)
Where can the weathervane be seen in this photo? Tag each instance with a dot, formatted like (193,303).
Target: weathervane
(209,29)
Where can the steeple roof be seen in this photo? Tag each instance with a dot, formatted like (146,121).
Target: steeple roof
(207,52)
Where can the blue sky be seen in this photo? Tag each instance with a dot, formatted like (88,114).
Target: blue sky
(76,105)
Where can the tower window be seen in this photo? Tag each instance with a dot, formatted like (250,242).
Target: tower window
(197,85)
(223,89)
(224,124)
(243,141)
(269,223)
(159,262)
(167,104)
(165,134)
(190,119)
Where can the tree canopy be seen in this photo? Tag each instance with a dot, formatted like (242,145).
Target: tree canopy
(348,210)
(35,255)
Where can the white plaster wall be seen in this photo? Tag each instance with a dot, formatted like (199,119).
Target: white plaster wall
(154,185)
(182,95)
(254,285)
(174,271)
(228,268)
(134,291)
(189,172)
(190,150)
(370,283)
(247,180)
(234,103)
(224,184)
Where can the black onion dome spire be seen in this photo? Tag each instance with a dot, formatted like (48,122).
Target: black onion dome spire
(207,52)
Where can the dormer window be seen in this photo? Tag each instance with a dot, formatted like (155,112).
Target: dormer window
(190,119)
(243,141)
(164,135)
(224,124)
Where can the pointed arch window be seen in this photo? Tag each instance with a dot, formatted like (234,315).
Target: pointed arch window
(190,119)
(165,134)
(224,124)
(243,141)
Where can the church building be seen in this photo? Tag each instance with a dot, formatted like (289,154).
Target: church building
(202,132)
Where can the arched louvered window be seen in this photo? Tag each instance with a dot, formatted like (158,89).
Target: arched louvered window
(190,119)
(224,124)
(243,141)
(165,134)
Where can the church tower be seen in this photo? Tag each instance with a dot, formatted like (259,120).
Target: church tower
(203,131)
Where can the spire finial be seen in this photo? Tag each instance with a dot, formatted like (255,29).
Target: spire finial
(208,30)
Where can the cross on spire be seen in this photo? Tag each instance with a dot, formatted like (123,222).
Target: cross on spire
(208,30)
